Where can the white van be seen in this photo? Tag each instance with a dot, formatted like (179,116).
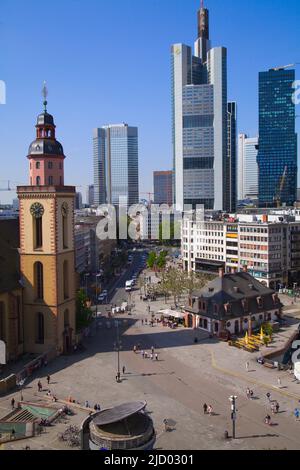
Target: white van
(129,285)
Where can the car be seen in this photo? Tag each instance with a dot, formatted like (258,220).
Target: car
(105,292)
(101,298)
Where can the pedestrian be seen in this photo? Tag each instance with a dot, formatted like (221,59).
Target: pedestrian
(134,348)
(124,370)
(279,382)
(151,357)
(98,407)
(297,414)
(40,386)
(118,377)
(146,355)
(209,410)
(12,403)
(268,420)
(156,356)
(87,405)
(277,407)
(247,366)
(13,433)
(143,354)
(268,395)
(152,349)
(248,393)
(142,322)
(205,408)
(251,393)
(48,379)
(273,409)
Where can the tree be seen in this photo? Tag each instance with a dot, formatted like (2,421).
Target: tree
(152,258)
(83,312)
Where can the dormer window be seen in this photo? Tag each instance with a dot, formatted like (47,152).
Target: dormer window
(259,302)
(227,308)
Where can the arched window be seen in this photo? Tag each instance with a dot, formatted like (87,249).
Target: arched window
(66,318)
(2,322)
(38,233)
(40,328)
(66,279)
(39,281)
(38,165)
(38,181)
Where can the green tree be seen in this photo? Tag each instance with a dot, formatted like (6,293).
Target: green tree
(83,312)
(152,258)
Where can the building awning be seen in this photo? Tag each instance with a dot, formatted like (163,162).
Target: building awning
(171,313)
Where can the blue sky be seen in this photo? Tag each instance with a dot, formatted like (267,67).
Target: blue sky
(109,62)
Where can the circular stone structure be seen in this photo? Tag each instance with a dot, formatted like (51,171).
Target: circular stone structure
(124,427)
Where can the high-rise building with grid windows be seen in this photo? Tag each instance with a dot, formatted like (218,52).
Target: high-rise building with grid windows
(116,170)
(277,154)
(202,164)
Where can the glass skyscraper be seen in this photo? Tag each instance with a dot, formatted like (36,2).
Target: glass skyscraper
(277,154)
(200,123)
(116,175)
(162,184)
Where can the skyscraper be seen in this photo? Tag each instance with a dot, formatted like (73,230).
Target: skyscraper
(199,110)
(162,183)
(247,167)
(116,171)
(231,171)
(277,154)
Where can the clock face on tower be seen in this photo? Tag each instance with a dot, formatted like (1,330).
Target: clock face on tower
(65,209)
(37,210)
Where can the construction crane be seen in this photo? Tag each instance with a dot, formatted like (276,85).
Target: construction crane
(283,67)
(149,197)
(6,188)
(278,195)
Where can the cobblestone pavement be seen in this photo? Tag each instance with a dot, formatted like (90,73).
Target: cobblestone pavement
(186,376)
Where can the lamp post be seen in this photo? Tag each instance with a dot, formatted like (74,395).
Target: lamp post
(118,347)
(97,275)
(233,399)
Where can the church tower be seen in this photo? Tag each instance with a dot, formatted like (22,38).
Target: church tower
(47,245)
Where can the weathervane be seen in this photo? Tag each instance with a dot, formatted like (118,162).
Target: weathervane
(45,94)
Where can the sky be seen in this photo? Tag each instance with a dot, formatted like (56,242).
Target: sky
(108,61)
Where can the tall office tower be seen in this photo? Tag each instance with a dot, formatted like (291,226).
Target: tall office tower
(231,171)
(247,167)
(116,170)
(277,154)
(78,201)
(199,118)
(90,195)
(162,183)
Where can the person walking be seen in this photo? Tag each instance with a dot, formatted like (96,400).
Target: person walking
(279,382)
(205,408)
(40,386)
(151,356)
(134,349)
(156,356)
(124,370)
(297,414)
(273,409)
(247,366)
(248,393)
(12,403)
(48,379)
(152,349)
(277,407)
(268,395)
(87,405)
(210,410)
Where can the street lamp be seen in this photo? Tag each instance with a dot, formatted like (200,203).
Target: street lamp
(118,347)
(97,275)
(233,399)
